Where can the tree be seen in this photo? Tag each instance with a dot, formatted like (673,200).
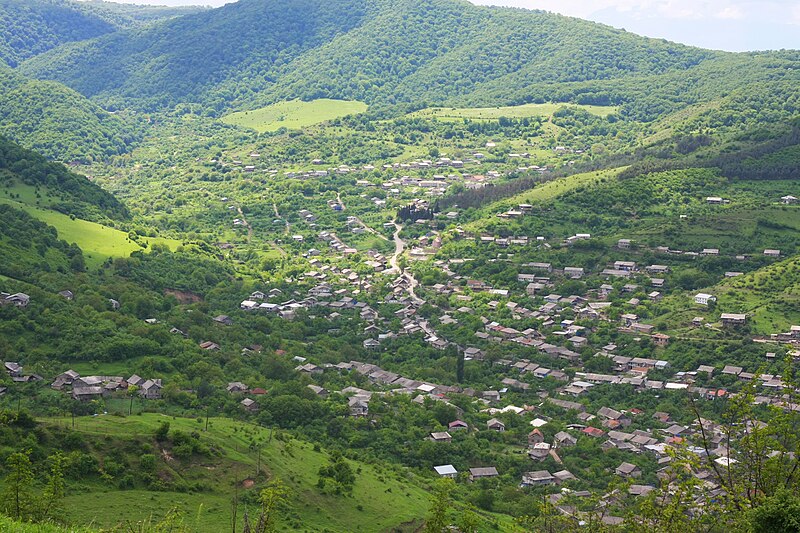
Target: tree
(132,390)
(18,497)
(437,520)
(273,499)
(55,489)
(162,432)
(468,521)
(339,472)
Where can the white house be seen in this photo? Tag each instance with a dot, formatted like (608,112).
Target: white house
(703,298)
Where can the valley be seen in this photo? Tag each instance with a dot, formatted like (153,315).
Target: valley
(412,267)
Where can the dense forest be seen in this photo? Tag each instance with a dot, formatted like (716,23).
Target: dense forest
(60,123)
(32,27)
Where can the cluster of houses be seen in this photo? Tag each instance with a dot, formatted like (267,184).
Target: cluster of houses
(87,388)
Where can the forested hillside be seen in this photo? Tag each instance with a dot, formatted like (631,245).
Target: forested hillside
(379,52)
(172,62)
(31,27)
(58,122)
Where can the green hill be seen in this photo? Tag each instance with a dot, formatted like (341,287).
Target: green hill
(110,472)
(58,122)
(441,52)
(32,27)
(55,186)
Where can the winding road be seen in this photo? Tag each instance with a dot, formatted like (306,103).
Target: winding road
(399,248)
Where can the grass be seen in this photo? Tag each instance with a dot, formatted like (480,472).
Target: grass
(543,193)
(494,113)
(98,242)
(295,114)
(382,497)
(6,524)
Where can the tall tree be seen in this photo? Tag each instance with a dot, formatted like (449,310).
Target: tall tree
(18,497)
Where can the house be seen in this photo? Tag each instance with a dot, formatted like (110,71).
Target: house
(65,378)
(13,369)
(788,200)
(358,406)
(249,405)
(135,380)
(482,472)
(624,244)
(714,200)
(573,272)
(441,436)
(495,425)
(562,439)
(733,319)
(207,345)
(19,299)
(704,299)
(538,478)
(225,320)
(372,345)
(535,437)
(317,390)
(539,452)
(628,266)
(67,295)
(659,339)
(457,425)
(640,490)
(236,386)
(613,418)
(150,389)
(732,370)
(628,470)
(772,253)
(446,471)
(85,394)
(593,432)
(562,476)
(115,305)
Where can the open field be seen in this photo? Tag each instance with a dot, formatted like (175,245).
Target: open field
(295,114)
(98,242)
(494,113)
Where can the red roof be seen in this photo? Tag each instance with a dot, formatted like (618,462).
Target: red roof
(594,432)
(258,391)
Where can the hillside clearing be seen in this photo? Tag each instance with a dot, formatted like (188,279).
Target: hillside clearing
(98,242)
(295,114)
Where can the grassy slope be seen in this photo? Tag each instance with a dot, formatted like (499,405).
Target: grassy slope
(494,113)
(770,297)
(386,500)
(98,242)
(295,114)
(543,193)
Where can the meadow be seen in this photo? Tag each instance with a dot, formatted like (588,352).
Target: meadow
(97,241)
(294,114)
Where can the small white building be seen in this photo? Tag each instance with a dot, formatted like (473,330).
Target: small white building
(704,299)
